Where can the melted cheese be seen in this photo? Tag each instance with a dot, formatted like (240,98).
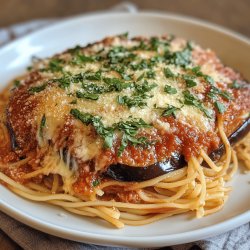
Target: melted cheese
(54,164)
(55,102)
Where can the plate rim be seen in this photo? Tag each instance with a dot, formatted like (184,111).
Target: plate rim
(149,241)
(140,241)
(190,19)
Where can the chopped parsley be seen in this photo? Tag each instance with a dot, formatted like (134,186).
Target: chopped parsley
(190,83)
(79,59)
(124,35)
(95,183)
(150,74)
(226,95)
(121,69)
(235,85)
(127,139)
(220,107)
(106,133)
(214,92)
(117,84)
(128,129)
(133,101)
(154,43)
(145,87)
(97,76)
(192,100)
(95,88)
(169,111)
(120,55)
(75,50)
(168,73)
(197,71)
(63,82)
(87,95)
(140,77)
(29,68)
(209,79)
(170,90)
(139,97)
(37,89)
(55,65)
(179,58)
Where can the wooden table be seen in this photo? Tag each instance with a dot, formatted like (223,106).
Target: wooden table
(229,13)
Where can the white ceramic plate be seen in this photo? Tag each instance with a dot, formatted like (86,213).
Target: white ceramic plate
(234,51)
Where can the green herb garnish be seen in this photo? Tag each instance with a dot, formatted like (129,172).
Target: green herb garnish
(170,90)
(209,79)
(197,71)
(215,91)
(97,76)
(154,43)
(130,127)
(235,85)
(117,84)
(87,95)
(133,101)
(190,83)
(150,74)
(95,183)
(168,73)
(124,35)
(129,130)
(29,68)
(220,107)
(81,59)
(139,97)
(106,133)
(192,100)
(168,111)
(140,77)
(37,89)
(17,83)
(55,65)
(144,87)
(181,58)
(75,50)
(63,82)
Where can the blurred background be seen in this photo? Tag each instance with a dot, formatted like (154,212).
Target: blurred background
(233,14)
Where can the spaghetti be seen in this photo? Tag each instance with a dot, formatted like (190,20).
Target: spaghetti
(46,163)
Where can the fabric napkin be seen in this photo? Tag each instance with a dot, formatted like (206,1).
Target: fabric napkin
(31,239)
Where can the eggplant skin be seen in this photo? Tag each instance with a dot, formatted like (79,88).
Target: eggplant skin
(13,140)
(121,172)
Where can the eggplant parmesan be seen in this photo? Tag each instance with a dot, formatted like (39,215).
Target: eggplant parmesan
(128,130)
